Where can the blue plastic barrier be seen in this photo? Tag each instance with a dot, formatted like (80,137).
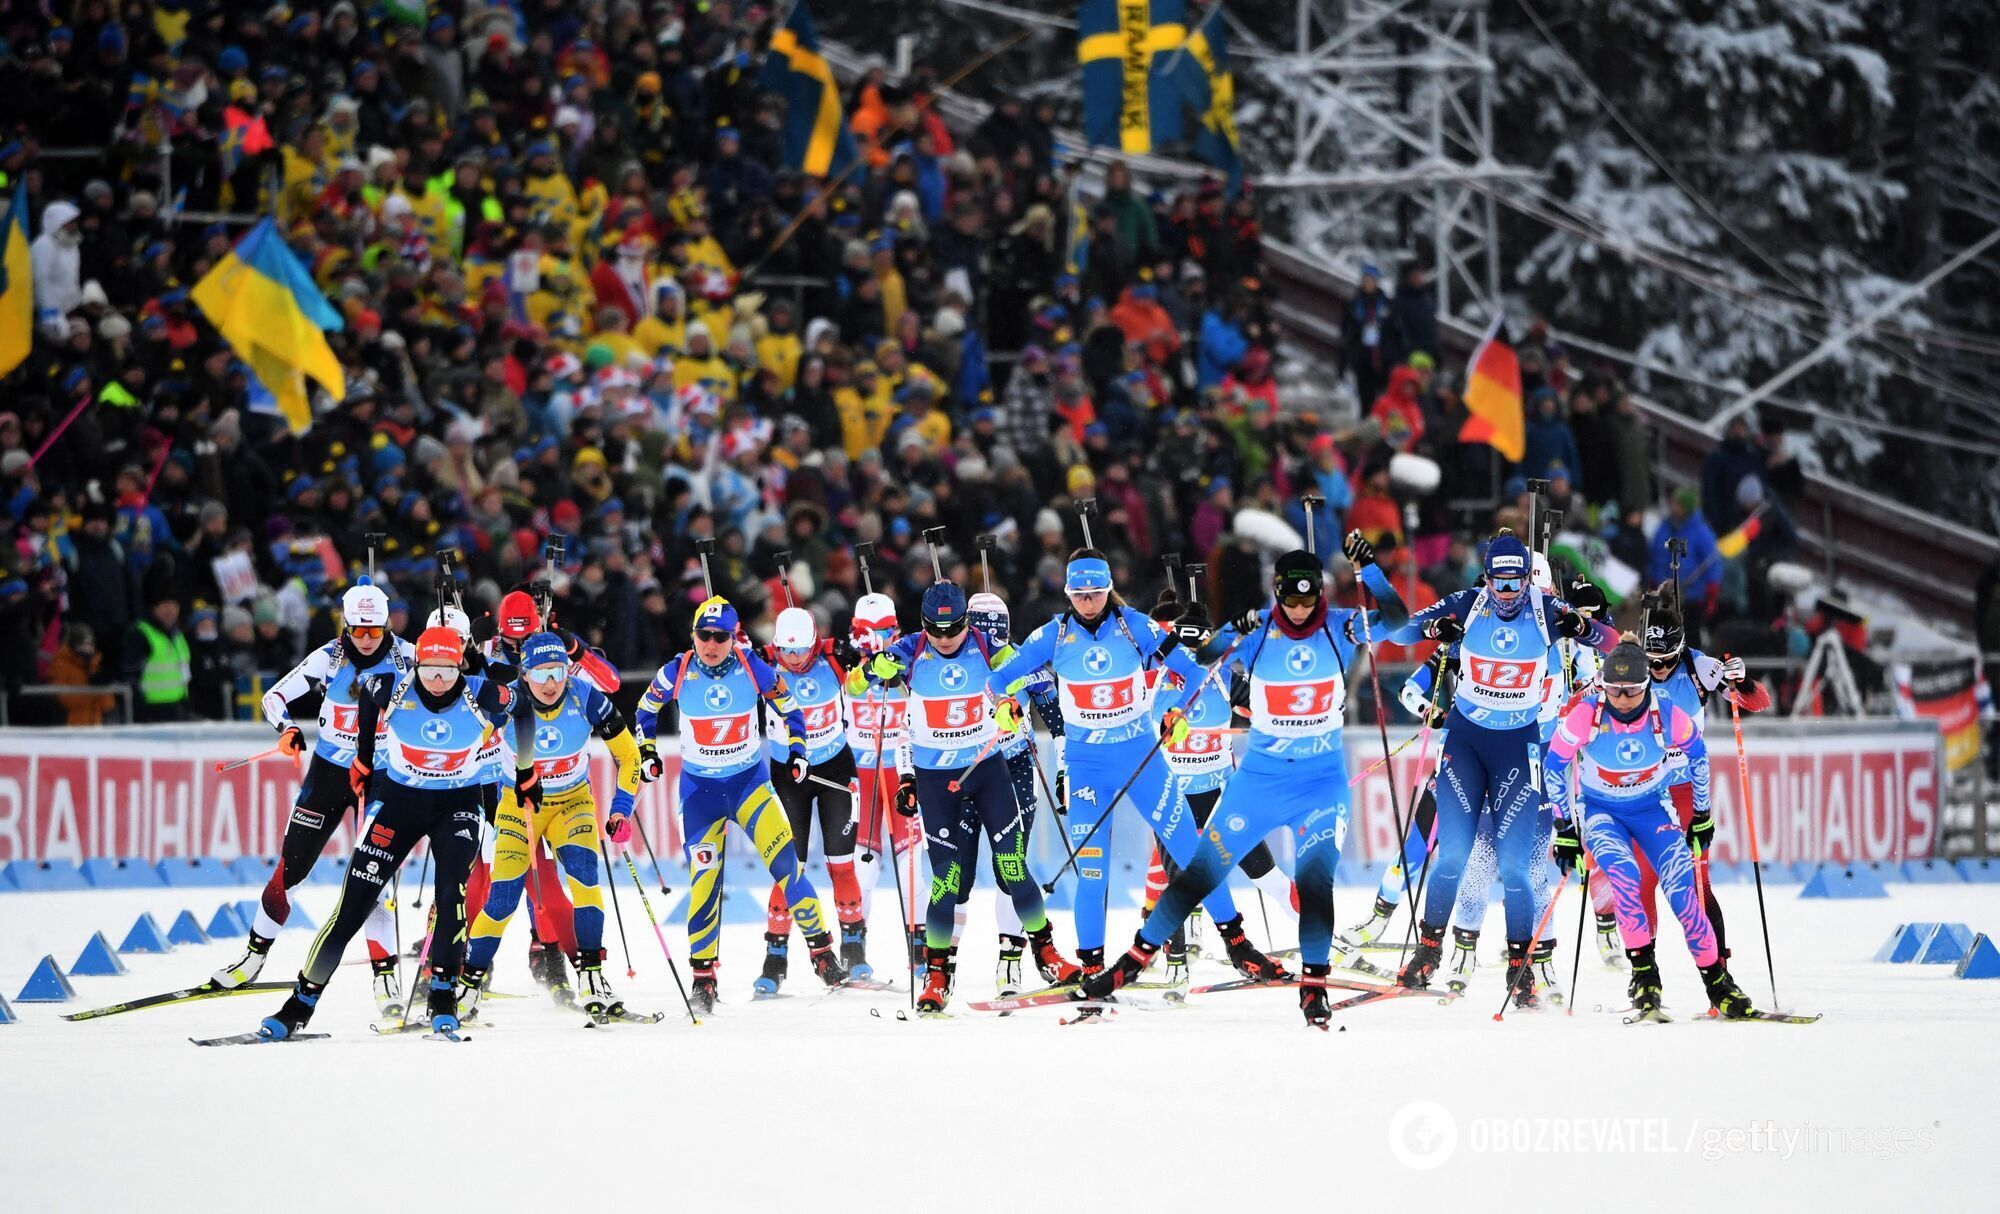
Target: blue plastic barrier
(129,872)
(1932,872)
(1980,872)
(98,959)
(145,937)
(225,924)
(1982,960)
(48,984)
(253,870)
(1905,943)
(186,930)
(1947,945)
(1834,881)
(45,876)
(196,872)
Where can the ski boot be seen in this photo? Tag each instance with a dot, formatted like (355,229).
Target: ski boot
(1610,947)
(1423,963)
(1056,969)
(1007,975)
(443,1005)
(388,988)
(545,964)
(600,1003)
(702,997)
(292,1017)
(471,986)
(854,949)
(1312,996)
(1177,967)
(951,971)
(777,951)
(1521,976)
(1371,929)
(1245,956)
(1724,996)
(937,982)
(1464,959)
(1197,943)
(246,968)
(824,963)
(1645,985)
(1101,981)
(1543,961)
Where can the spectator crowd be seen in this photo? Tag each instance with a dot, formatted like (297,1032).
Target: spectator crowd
(585,300)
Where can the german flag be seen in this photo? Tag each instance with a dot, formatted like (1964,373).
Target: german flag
(1732,545)
(1493,398)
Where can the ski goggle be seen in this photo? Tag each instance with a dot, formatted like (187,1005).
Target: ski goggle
(366,632)
(547,674)
(1507,585)
(948,628)
(713,636)
(795,653)
(1660,661)
(1299,600)
(1624,690)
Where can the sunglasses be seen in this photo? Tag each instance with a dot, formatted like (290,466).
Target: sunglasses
(796,652)
(1662,660)
(1508,585)
(713,636)
(547,674)
(951,629)
(366,632)
(1299,600)
(1621,690)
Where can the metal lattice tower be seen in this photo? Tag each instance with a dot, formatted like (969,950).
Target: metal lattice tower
(1392,109)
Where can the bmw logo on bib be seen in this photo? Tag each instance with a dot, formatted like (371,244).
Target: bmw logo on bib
(1299,659)
(548,737)
(1505,640)
(717,696)
(1097,659)
(437,729)
(953,677)
(1630,750)
(808,689)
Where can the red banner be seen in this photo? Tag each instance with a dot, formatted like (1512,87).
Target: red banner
(80,794)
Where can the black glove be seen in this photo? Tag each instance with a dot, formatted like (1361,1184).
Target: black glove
(1572,624)
(906,796)
(1584,595)
(1568,848)
(528,791)
(1192,628)
(1062,791)
(1358,550)
(1248,622)
(800,767)
(845,655)
(650,767)
(1445,628)
(1701,832)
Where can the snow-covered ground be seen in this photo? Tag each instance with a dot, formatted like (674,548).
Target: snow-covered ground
(816,1103)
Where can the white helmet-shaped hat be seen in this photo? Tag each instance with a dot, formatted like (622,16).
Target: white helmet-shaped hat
(795,629)
(365,606)
(451,617)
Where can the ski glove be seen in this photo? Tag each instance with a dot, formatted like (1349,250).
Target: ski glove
(1174,727)
(1007,714)
(1358,550)
(618,825)
(906,796)
(1062,792)
(291,740)
(885,667)
(1446,628)
(650,767)
(528,791)
(1573,624)
(1248,622)
(1701,832)
(1733,670)
(357,777)
(1584,595)
(1568,848)
(801,768)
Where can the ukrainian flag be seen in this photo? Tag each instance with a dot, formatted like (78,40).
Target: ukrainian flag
(1127,102)
(17,287)
(1208,86)
(817,141)
(267,308)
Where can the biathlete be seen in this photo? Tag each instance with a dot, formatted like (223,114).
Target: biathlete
(955,781)
(718,686)
(1506,632)
(1294,773)
(550,800)
(1099,651)
(815,678)
(1627,742)
(877,736)
(336,670)
(425,730)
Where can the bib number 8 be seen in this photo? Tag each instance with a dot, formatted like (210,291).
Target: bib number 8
(1103,696)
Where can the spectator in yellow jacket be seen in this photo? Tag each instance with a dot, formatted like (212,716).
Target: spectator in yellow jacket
(864,407)
(665,331)
(779,349)
(701,364)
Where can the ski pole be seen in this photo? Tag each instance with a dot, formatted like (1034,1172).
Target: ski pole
(233,764)
(423,879)
(881,815)
(1401,746)
(657,933)
(1424,776)
(826,783)
(1382,723)
(619,914)
(1576,966)
(1515,980)
(958,780)
(657,875)
(1756,866)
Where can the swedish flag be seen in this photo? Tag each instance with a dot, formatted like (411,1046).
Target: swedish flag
(270,312)
(1127,102)
(17,286)
(1205,82)
(817,141)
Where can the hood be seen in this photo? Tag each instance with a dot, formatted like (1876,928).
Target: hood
(57,214)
